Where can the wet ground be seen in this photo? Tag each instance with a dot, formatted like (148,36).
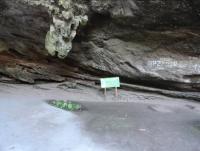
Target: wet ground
(131,122)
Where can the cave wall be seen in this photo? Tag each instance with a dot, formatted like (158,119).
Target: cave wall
(151,42)
(23,27)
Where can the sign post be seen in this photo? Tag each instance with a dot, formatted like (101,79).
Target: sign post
(110,83)
(116,92)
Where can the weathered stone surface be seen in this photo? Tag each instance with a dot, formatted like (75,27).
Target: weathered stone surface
(159,58)
(149,42)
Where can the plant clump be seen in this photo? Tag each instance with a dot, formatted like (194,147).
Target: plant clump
(66,105)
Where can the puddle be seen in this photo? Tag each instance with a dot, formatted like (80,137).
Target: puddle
(190,107)
(39,87)
(197,127)
(159,108)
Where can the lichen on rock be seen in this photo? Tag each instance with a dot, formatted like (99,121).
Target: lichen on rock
(66,18)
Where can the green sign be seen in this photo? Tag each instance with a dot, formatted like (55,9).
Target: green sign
(110,82)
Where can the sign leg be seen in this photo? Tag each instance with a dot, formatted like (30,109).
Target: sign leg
(116,92)
(105,91)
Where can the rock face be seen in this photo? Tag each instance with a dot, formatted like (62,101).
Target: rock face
(150,42)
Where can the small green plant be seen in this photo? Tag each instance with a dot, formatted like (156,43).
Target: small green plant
(66,105)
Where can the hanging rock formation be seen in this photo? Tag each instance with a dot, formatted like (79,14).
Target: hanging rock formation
(66,17)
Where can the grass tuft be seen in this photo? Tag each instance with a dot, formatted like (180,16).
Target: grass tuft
(66,105)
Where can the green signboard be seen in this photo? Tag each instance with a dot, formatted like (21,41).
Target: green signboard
(110,82)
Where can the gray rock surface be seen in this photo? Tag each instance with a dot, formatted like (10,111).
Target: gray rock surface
(154,43)
(132,121)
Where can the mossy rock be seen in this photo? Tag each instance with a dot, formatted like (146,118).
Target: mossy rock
(66,105)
